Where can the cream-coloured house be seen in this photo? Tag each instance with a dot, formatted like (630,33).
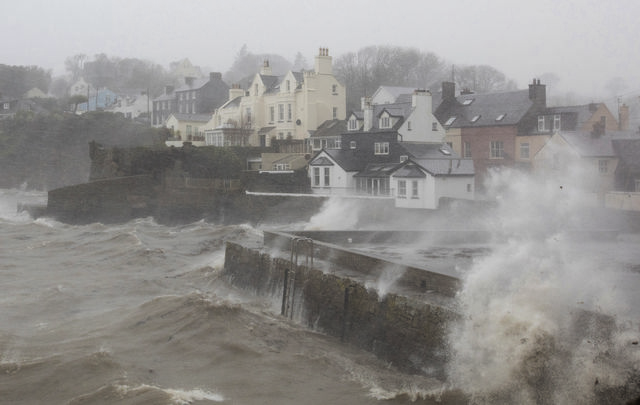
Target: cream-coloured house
(279,107)
(187,128)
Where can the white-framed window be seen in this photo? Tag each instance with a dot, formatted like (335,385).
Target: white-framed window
(385,122)
(497,150)
(402,189)
(352,145)
(603,166)
(466,149)
(327,176)
(281,135)
(316,176)
(289,113)
(414,189)
(408,125)
(189,132)
(335,112)
(540,123)
(334,89)
(272,114)
(280,112)
(6,106)
(353,124)
(637,185)
(337,144)
(556,122)
(524,150)
(403,158)
(288,85)
(381,148)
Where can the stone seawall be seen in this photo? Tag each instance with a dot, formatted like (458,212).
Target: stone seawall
(407,332)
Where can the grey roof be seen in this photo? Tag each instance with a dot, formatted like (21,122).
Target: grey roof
(487,107)
(397,91)
(378,170)
(330,128)
(588,145)
(271,83)
(193,117)
(438,159)
(628,150)
(232,103)
(321,161)
(165,97)
(409,170)
(197,84)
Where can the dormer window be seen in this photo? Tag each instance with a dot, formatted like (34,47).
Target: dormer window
(501,117)
(381,148)
(385,122)
(450,121)
(353,124)
(556,122)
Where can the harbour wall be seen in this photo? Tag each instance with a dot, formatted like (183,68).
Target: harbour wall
(406,329)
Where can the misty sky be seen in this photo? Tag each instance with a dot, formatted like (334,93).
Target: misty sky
(584,42)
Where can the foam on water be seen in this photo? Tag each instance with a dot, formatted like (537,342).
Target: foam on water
(540,317)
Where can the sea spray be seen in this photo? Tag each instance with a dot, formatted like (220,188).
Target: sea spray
(538,313)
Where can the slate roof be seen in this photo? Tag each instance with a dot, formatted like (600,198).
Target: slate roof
(577,115)
(487,107)
(197,84)
(377,170)
(329,128)
(271,83)
(587,145)
(438,159)
(396,91)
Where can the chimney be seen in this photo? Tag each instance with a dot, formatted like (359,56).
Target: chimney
(623,117)
(368,113)
(421,101)
(538,93)
(235,91)
(213,76)
(266,69)
(323,64)
(448,91)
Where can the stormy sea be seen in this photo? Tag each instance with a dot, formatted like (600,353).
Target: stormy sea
(139,313)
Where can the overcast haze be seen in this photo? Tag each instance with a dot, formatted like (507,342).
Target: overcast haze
(585,43)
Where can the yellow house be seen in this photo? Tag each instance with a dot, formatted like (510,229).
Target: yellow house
(279,107)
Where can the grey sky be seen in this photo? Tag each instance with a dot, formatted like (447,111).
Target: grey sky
(584,42)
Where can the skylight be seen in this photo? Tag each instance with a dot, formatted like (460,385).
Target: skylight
(501,117)
(476,118)
(467,101)
(450,120)
(445,152)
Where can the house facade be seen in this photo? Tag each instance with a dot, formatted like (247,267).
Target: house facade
(396,152)
(187,128)
(280,107)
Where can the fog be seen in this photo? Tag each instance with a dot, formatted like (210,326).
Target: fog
(583,45)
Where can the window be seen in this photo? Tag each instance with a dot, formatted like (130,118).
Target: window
(524,150)
(288,135)
(408,125)
(335,113)
(316,176)
(334,89)
(281,135)
(556,122)
(353,124)
(288,85)
(637,183)
(434,126)
(466,152)
(280,112)
(337,144)
(540,123)
(469,189)
(497,150)
(272,114)
(403,158)
(352,145)
(501,117)
(6,106)
(255,89)
(467,101)
(327,176)
(188,130)
(384,122)
(602,166)
(450,121)
(414,189)
(248,111)
(289,113)
(402,189)
(381,148)
(475,118)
